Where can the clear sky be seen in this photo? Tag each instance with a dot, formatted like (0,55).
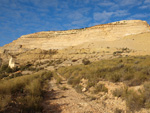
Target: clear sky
(20,17)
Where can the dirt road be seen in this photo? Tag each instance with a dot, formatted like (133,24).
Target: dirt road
(69,101)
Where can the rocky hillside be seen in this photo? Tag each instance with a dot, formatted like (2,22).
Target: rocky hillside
(122,38)
(63,39)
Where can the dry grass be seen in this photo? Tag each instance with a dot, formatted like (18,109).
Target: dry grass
(100,88)
(26,90)
(135,100)
(132,71)
(125,70)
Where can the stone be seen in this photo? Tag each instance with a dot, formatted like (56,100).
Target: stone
(11,63)
(84,90)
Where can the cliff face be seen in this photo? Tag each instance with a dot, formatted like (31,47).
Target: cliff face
(63,39)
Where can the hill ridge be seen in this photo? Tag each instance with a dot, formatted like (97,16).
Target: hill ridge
(62,39)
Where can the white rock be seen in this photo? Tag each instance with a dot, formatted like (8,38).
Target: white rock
(84,89)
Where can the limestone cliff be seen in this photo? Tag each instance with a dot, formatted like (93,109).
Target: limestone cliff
(63,39)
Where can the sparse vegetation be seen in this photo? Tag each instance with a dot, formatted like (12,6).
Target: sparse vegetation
(120,51)
(85,61)
(116,70)
(27,91)
(119,92)
(100,88)
(5,71)
(135,100)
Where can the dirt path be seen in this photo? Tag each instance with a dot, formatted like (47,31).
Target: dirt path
(58,100)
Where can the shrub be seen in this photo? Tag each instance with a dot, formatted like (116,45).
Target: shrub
(117,53)
(86,61)
(27,89)
(146,94)
(127,76)
(30,103)
(91,84)
(4,67)
(138,79)
(114,77)
(34,88)
(118,92)
(74,81)
(100,88)
(58,61)
(47,75)
(134,101)
(25,67)
(3,75)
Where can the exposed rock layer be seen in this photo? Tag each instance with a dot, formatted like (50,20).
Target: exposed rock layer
(63,39)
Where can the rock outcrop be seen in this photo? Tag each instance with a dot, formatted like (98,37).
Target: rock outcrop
(11,63)
(63,39)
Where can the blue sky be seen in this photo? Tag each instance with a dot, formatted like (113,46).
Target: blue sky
(20,17)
